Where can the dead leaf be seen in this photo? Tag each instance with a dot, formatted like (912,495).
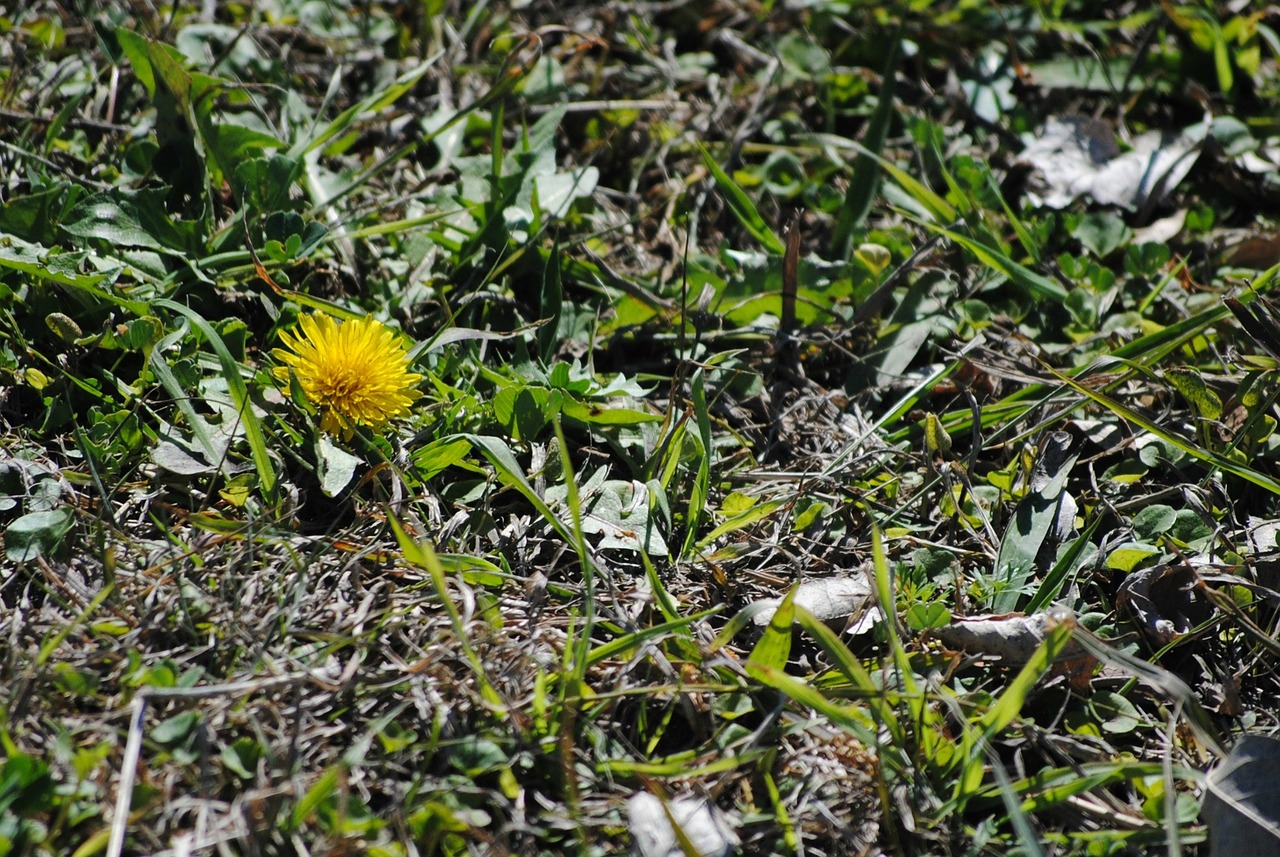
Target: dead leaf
(1014,638)
(830,598)
(1077,156)
(1161,231)
(1166,600)
(1011,637)
(1259,253)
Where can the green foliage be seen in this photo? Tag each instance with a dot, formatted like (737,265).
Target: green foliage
(484,623)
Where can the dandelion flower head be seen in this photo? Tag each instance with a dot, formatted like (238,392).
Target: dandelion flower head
(354,371)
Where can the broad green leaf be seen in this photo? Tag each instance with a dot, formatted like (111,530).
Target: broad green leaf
(923,617)
(1154,520)
(618,510)
(1116,714)
(601,414)
(130,220)
(1130,555)
(68,269)
(241,756)
(1190,383)
(438,456)
(36,534)
(175,729)
(1036,285)
(743,519)
(1034,519)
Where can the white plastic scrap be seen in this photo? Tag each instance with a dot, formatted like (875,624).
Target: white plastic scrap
(704,825)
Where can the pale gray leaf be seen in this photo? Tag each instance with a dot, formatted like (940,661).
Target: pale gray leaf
(1242,804)
(1013,638)
(827,598)
(1078,156)
(175,459)
(335,467)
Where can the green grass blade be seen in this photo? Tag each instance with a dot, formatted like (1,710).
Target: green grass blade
(851,718)
(422,555)
(1206,456)
(742,206)
(495,449)
(1033,519)
(1036,285)
(774,646)
(1162,680)
(239,397)
(199,428)
(701,487)
(866,172)
(635,639)
(756,513)
(855,672)
(361,109)
(936,206)
(1054,581)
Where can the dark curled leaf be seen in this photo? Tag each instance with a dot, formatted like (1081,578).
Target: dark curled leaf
(1260,322)
(1167,600)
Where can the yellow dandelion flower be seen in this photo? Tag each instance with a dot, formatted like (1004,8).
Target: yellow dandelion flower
(354,371)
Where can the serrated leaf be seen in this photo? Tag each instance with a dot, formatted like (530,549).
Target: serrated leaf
(619,511)
(128,220)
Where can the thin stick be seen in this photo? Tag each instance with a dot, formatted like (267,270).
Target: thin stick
(128,771)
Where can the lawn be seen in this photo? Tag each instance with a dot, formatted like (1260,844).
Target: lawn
(728,427)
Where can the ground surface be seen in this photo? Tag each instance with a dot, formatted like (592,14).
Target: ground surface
(945,311)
